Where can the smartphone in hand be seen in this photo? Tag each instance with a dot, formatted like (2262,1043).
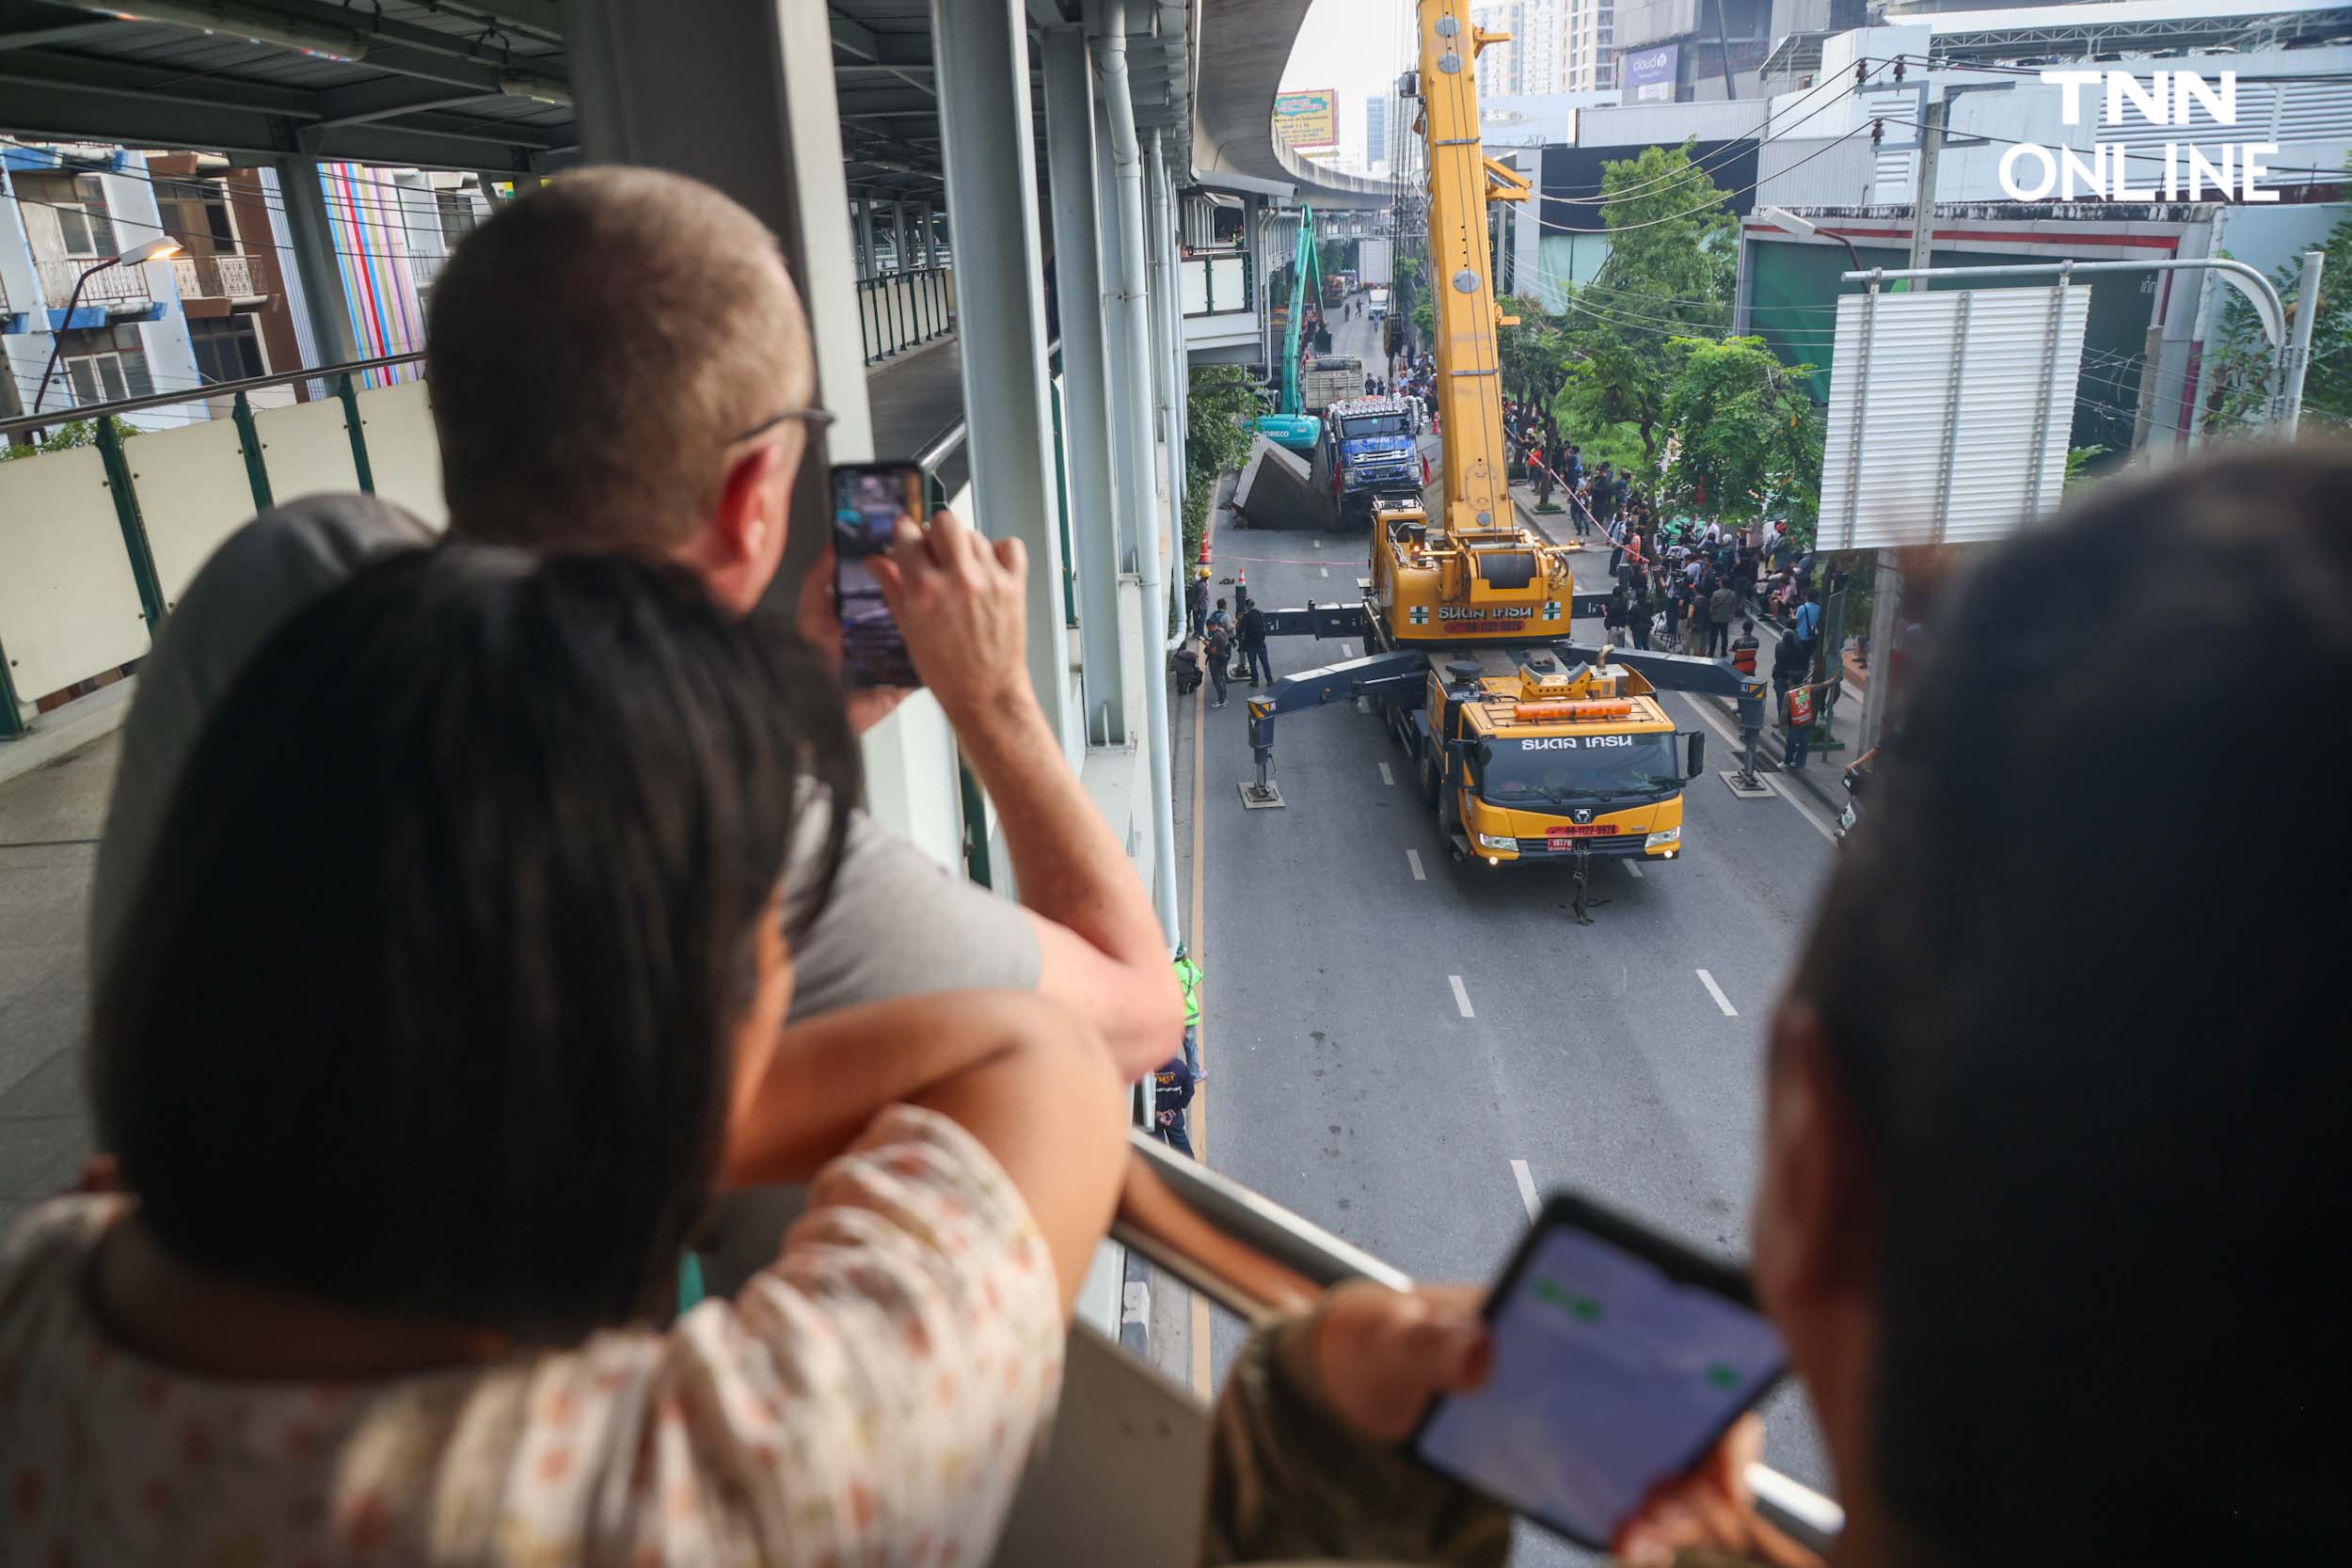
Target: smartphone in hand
(1620,1358)
(869,498)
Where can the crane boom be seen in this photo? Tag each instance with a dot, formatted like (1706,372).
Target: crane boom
(1462,180)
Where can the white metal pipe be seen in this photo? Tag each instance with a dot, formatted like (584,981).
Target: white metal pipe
(2248,279)
(1168,320)
(1110,64)
(2297,360)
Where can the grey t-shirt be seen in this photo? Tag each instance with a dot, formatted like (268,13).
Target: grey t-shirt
(898,922)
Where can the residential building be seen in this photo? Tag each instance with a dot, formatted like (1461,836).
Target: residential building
(1500,65)
(1536,37)
(1586,46)
(223,308)
(66,211)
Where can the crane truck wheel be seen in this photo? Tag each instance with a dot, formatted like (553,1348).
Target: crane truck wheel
(1428,782)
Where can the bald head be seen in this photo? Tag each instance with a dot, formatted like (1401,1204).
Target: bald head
(594,350)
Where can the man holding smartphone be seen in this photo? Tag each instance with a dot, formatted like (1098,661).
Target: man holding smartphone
(689,324)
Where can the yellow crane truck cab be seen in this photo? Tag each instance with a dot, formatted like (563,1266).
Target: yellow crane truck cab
(1531,762)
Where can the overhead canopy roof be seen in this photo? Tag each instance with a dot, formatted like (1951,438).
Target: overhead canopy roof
(462,83)
(446,86)
(889,101)
(1245,45)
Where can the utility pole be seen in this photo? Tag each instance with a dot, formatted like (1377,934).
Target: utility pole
(1887,575)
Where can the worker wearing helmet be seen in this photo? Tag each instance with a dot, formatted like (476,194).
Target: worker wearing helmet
(1197,603)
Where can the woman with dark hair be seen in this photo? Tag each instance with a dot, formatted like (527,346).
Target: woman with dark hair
(453,992)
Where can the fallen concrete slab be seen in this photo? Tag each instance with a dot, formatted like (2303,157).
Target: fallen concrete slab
(1276,490)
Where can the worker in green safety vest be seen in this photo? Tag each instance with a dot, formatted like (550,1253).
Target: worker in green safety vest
(1188,976)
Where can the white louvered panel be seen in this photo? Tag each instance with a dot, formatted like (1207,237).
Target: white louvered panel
(2317,109)
(2257,102)
(1887,488)
(1892,177)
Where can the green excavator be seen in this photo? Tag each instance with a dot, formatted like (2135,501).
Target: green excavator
(1289,425)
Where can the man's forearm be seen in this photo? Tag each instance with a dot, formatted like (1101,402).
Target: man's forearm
(1071,870)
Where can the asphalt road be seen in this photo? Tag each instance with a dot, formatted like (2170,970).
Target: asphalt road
(1406,1051)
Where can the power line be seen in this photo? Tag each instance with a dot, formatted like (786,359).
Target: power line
(1735,146)
(382,218)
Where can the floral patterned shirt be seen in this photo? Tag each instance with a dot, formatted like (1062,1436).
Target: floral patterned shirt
(870,1399)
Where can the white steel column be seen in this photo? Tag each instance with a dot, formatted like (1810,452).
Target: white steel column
(1125,485)
(1168,325)
(900,260)
(312,237)
(981,54)
(1110,60)
(741,95)
(1087,428)
(869,259)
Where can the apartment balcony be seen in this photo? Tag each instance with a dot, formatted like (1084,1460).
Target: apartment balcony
(115,295)
(225,276)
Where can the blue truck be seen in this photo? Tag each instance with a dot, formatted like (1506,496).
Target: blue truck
(1368,450)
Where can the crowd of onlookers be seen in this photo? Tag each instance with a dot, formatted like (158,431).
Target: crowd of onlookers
(486,928)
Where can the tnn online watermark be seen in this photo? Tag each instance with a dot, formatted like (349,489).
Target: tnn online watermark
(2031,172)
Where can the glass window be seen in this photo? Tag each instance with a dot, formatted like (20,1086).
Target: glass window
(227,349)
(1522,771)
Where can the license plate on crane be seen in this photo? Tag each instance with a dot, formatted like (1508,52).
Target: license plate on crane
(1563,831)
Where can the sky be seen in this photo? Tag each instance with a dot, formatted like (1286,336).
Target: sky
(1356,46)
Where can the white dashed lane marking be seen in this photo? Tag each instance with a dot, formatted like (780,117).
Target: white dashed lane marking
(1386,777)
(1527,1187)
(1717,992)
(1461,996)
(1412,858)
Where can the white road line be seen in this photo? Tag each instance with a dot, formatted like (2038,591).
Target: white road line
(1326,571)
(1347,650)
(1386,777)
(1717,992)
(1633,868)
(1318,544)
(1527,1187)
(1716,722)
(1461,997)
(1412,858)
(1803,810)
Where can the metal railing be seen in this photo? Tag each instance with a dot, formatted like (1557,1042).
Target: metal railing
(343,383)
(1255,1258)
(217,277)
(899,311)
(114,285)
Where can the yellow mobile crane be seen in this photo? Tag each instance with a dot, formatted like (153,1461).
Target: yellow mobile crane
(1529,749)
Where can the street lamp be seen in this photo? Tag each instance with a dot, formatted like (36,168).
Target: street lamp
(1781,217)
(153,250)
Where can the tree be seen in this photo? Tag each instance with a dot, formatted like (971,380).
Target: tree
(1749,437)
(1672,260)
(73,432)
(1534,354)
(1221,411)
(2241,372)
